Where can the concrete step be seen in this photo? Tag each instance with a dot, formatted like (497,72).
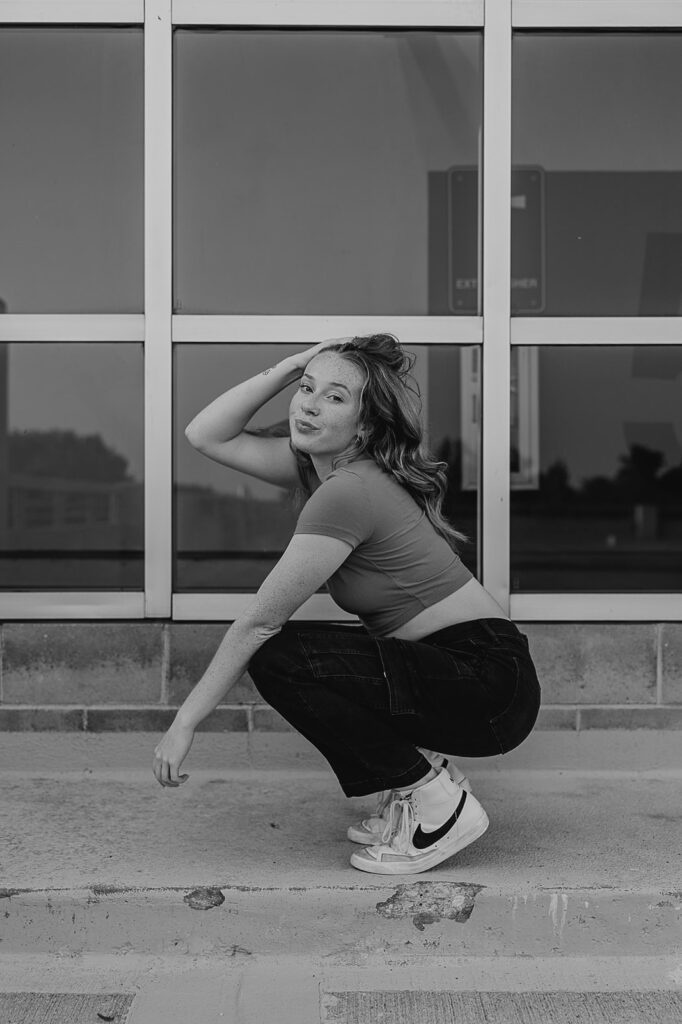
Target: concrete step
(251,862)
(431,917)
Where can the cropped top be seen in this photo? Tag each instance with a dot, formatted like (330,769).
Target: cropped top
(399,564)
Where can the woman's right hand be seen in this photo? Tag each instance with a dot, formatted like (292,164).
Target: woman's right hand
(301,359)
(171,752)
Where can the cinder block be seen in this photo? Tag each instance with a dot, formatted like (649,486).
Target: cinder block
(41,719)
(671,650)
(594,663)
(557,718)
(129,719)
(269,720)
(81,663)
(158,719)
(192,645)
(631,718)
(226,720)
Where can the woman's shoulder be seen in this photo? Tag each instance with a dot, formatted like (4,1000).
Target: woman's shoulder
(360,469)
(365,479)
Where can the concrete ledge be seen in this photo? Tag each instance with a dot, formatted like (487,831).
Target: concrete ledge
(257,718)
(48,719)
(158,719)
(441,918)
(631,718)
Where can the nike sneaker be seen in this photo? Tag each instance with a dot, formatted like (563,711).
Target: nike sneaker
(424,827)
(369,831)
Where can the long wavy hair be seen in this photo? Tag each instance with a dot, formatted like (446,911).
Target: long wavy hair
(390,429)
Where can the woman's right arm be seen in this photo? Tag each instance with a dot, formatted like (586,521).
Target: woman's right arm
(218,430)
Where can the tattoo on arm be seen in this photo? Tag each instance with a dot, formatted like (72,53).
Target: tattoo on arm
(266,372)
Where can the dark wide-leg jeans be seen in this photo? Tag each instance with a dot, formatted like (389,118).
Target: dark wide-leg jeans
(368,702)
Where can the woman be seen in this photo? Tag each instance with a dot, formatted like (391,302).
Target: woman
(436,664)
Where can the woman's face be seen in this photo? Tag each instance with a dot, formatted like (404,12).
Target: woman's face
(325,410)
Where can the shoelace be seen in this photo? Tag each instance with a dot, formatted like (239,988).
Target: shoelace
(383,801)
(398,830)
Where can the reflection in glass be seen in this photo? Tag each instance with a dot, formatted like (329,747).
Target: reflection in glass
(598,506)
(597,176)
(230,528)
(71,467)
(71,195)
(316,171)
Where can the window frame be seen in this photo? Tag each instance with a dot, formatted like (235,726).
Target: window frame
(494,330)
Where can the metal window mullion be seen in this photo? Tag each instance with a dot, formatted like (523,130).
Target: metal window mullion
(226,607)
(307,330)
(336,13)
(87,604)
(596,607)
(596,14)
(158,307)
(67,327)
(495,386)
(636,330)
(73,12)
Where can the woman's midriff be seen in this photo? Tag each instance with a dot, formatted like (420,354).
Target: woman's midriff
(471,601)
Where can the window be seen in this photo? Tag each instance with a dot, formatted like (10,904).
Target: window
(597,181)
(312,171)
(71,203)
(606,511)
(71,454)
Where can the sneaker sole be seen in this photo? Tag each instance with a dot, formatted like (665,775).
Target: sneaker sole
(363,836)
(423,862)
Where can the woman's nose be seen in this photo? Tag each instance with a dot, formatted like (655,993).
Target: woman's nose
(309,406)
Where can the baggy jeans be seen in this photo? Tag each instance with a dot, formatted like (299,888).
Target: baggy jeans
(367,703)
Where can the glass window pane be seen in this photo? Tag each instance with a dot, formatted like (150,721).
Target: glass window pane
(597,178)
(326,172)
(71,170)
(71,465)
(597,499)
(230,528)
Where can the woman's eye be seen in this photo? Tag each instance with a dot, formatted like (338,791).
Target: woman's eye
(304,387)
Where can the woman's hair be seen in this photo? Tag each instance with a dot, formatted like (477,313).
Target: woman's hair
(390,429)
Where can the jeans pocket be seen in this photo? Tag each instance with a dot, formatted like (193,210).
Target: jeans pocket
(398,674)
(514,724)
(329,654)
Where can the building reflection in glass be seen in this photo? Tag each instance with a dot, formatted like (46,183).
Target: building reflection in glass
(600,508)
(71,451)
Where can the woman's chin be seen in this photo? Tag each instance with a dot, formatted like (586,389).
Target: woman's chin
(301,443)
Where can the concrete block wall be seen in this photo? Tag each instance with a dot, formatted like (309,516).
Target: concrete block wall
(124,676)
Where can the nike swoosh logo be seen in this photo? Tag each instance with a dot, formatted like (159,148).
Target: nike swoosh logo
(421,839)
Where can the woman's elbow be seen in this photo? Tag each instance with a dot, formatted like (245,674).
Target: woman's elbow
(194,435)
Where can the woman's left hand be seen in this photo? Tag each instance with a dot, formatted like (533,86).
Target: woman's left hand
(170,753)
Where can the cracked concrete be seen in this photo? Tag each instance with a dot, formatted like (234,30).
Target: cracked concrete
(429,902)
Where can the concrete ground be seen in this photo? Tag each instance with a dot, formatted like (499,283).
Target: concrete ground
(232,899)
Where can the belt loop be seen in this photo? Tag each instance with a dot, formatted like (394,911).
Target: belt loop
(489,629)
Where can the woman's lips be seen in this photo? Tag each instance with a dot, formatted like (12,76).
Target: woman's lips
(305,427)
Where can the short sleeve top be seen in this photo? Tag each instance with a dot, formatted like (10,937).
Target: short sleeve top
(399,564)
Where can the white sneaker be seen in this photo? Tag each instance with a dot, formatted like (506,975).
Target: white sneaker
(369,831)
(425,827)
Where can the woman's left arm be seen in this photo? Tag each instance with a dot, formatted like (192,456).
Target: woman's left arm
(307,563)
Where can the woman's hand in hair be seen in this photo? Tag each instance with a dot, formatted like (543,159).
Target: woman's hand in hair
(301,359)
